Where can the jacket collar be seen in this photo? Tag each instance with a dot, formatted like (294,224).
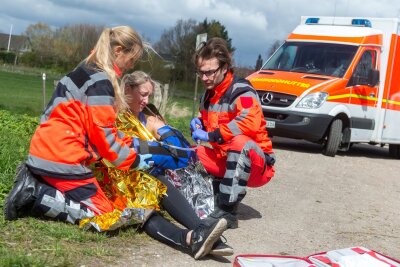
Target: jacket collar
(221,88)
(117,71)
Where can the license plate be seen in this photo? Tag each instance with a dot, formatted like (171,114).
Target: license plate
(270,124)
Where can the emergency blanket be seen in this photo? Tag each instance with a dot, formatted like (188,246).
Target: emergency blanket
(347,257)
(134,194)
(195,185)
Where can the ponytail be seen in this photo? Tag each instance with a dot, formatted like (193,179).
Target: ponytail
(103,56)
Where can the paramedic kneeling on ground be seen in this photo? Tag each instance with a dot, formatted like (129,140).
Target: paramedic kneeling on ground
(231,119)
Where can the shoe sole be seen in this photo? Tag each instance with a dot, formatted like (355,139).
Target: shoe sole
(10,211)
(222,252)
(219,228)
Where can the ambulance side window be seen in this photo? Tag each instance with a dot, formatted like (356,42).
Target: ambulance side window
(363,69)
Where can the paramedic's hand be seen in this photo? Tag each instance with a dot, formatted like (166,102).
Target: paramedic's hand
(199,134)
(195,124)
(143,163)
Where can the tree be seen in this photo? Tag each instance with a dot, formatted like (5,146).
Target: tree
(178,45)
(41,37)
(259,63)
(62,48)
(215,29)
(74,42)
(37,33)
(273,47)
(85,35)
(156,66)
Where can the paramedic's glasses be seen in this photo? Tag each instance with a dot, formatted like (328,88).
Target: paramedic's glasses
(208,73)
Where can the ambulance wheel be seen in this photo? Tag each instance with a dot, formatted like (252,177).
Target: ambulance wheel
(394,151)
(333,139)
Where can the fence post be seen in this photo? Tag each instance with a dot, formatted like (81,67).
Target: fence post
(195,96)
(157,95)
(44,90)
(163,106)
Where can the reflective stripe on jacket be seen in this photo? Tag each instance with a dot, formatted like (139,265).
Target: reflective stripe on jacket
(231,109)
(78,128)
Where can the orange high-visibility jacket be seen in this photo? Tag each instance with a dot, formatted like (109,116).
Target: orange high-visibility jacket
(78,128)
(233,108)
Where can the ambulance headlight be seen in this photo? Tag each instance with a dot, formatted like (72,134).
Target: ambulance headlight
(314,100)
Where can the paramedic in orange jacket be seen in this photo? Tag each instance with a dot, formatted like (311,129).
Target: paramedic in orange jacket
(77,127)
(231,119)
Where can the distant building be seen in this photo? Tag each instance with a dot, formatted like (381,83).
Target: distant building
(18,43)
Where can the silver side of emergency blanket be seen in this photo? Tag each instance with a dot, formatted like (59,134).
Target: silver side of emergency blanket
(196,186)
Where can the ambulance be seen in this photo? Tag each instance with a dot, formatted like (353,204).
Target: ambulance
(335,81)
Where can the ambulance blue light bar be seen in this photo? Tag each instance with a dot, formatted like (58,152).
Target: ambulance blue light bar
(312,20)
(361,22)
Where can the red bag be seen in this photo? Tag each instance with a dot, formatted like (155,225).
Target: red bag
(348,257)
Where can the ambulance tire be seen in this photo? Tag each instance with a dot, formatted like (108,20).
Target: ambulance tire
(333,139)
(394,151)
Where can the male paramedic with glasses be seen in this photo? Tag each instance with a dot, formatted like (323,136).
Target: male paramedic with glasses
(232,121)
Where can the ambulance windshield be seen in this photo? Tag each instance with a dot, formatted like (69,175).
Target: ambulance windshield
(317,58)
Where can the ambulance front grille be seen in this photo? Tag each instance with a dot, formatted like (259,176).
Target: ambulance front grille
(275,99)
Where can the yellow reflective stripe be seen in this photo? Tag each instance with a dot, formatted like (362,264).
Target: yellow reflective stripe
(334,97)
(391,102)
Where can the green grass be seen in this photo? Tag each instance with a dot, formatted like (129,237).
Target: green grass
(23,94)
(34,242)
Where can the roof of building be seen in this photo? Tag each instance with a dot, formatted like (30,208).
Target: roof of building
(17,42)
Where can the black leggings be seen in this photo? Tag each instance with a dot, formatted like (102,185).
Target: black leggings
(178,207)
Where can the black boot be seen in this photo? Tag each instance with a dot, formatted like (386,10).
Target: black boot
(220,248)
(228,214)
(23,194)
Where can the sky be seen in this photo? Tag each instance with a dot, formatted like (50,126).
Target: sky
(253,25)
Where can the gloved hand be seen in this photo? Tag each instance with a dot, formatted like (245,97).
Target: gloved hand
(143,163)
(200,134)
(195,124)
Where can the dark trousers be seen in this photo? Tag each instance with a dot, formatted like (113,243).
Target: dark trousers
(177,206)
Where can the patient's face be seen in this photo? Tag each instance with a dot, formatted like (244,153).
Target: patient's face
(138,97)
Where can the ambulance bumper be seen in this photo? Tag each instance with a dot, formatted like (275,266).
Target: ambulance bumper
(297,125)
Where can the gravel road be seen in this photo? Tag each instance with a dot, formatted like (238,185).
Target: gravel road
(314,203)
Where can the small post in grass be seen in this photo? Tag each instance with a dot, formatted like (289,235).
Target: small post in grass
(44,90)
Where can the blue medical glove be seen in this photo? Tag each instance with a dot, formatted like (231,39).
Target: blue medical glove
(143,163)
(195,124)
(200,134)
